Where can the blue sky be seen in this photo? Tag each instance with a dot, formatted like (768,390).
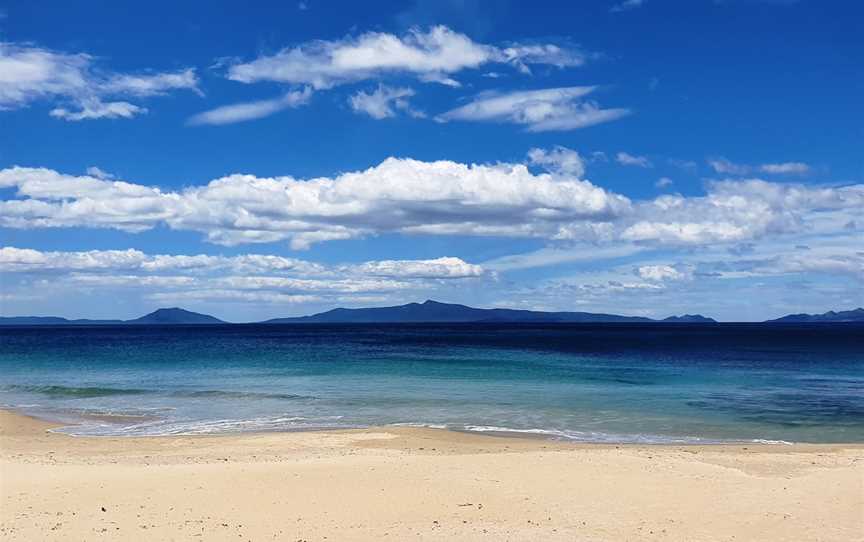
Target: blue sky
(648,158)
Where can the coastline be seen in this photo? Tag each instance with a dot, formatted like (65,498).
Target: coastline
(400,482)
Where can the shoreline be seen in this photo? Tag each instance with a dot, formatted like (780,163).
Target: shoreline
(528,434)
(418,483)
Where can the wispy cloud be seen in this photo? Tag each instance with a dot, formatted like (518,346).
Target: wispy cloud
(91,109)
(796,168)
(252,278)
(99,173)
(432,55)
(664,182)
(241,112)
(384,102)
(627,159)
(722,165)
(626,5)
(80,90)
(552,109)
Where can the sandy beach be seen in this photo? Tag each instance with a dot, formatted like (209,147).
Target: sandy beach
(423,484)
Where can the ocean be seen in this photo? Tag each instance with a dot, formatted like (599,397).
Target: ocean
(647,383)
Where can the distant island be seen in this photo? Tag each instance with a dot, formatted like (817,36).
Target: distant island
(437,312)
(429,311)
(168,316)
(855,315)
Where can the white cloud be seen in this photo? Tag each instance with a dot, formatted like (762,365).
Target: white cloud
(664,182)
(734,211)
(566,254)
(524,55)
(245,278)
(384,102)
(798,168)
(722,165)
(16,260)
(399,195)
(412,197)
(626,159)
(29,74)
(212,295)
(240,112)
(440,268)
(560,160)
(627,5)
(552,109)
(97,109)
(155,84)
(99,173)
(661,273)
(433,54)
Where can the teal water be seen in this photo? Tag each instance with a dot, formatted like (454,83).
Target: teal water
(609,383)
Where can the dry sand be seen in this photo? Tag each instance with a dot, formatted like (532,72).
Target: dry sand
(418,484)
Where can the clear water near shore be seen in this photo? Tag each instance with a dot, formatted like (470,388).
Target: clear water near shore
(599,383)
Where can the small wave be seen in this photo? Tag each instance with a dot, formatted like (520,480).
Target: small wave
(613,438)
(75,392)
(224,394)
(207,427)
(423,425)
(84,392)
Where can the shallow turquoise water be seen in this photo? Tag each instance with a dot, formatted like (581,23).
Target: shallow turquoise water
(620,383)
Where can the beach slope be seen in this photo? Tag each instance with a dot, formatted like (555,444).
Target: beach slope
(418,484)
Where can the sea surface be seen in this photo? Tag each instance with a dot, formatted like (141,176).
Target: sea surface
(583,382)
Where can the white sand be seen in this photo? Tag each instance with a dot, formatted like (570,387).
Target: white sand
(417,484)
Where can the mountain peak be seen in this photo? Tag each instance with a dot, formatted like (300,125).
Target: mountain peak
(690,319)
(854,315)
(175,315)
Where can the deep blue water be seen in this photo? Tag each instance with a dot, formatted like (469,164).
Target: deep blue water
(596,382)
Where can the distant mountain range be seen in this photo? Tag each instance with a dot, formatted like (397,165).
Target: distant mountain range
(855,315)
(161,316)
(434,311)
(427,312)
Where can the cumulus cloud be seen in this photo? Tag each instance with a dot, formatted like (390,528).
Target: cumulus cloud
(552,109)
(398,195)
(664,182)
(248,277)
(432,55)
(735,211)
(559,159)
(384,102)
(661,273)
(440,268)
(29,74)
(626,159)
(240,112)
(406,196)
(99,173)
